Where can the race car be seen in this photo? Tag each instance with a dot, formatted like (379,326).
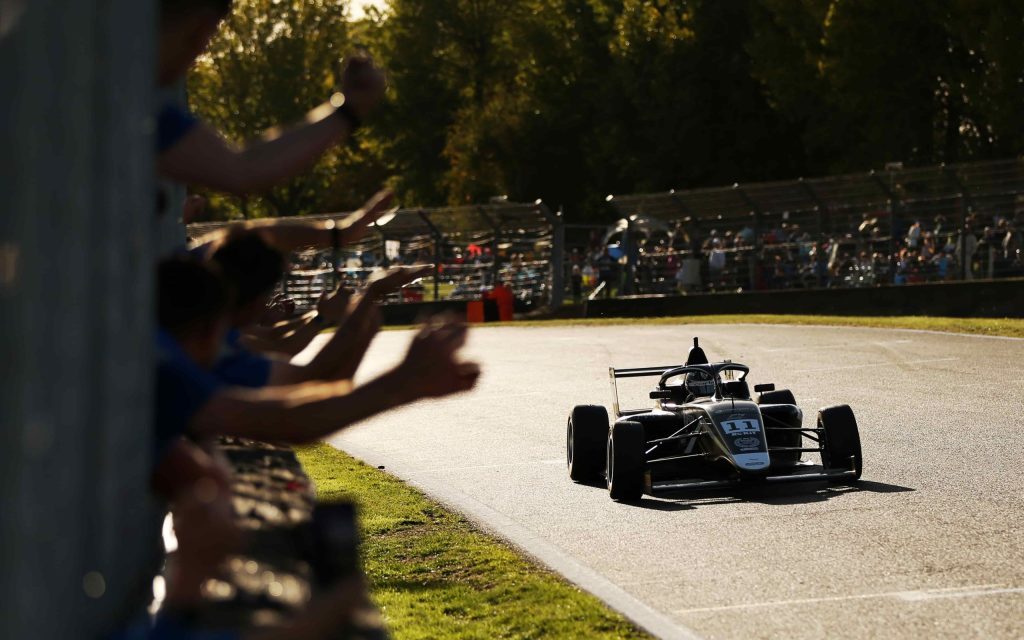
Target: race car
(706,431)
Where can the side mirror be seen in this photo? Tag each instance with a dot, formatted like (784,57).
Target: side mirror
(761,388)
(661,394)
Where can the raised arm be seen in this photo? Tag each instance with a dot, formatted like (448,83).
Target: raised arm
(308,412)
(291,235)
(343,352)
(203,157)
(290,337)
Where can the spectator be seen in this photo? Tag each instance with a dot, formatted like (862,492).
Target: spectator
(927,245)
(252,269)
(914,235)
(745,236)
(286,237)
(588,275)
(193,401)
(716,262)
(191,302)
(942,263)
(576,281)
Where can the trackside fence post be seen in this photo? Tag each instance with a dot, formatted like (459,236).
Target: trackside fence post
(556,267)
(755,212)
(437,237)
(892,206)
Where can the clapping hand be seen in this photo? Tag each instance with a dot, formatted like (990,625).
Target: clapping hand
(431,367)
(393,279)
(353,227)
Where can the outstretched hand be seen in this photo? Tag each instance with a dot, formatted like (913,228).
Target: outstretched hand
(431,367)
(353,227)
(332,306)
(394,279)
(363,84)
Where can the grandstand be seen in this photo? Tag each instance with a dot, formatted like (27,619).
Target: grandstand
(472,248)
(946,222)
(898,226)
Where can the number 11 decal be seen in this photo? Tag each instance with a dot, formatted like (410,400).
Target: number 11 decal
(735,427)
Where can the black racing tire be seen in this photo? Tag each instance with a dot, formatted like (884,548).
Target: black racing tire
(842,441)
(783,438)
(626,464)
(586,437)
(782,396)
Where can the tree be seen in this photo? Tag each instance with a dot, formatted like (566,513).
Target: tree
(873,81)
(568,100)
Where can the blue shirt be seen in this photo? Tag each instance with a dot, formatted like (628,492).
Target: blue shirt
(182,388)
(240,367)
(169,627)
(172,124)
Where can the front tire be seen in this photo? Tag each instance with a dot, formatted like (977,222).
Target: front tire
(626,463)
(782,396)
(842,441)
(789,439)
(585,437)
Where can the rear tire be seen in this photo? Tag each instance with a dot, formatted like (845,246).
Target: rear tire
(626,462)
(842,441)
(586,437)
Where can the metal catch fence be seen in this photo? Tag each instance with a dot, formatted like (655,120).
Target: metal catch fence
(471,247)
(893,227)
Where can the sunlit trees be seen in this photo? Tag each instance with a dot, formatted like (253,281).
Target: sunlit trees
(568,100)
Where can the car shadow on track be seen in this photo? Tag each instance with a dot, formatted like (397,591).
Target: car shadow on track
(763,494)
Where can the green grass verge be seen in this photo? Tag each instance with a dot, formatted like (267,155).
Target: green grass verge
(1012,327)
(436,576)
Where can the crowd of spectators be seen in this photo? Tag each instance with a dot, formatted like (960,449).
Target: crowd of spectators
(787,255)
(224,339)
(463,272)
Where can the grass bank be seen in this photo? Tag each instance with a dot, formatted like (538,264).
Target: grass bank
(1010,327)
(436,576)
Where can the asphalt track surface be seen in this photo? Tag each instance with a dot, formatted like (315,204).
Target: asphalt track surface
(930,544)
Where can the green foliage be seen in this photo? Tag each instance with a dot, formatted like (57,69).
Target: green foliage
(873,81)
(568,100)
(436,576)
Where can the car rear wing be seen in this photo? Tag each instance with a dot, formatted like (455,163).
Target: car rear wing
(638,372)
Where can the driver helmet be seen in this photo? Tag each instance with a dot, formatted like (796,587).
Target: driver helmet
(700,384)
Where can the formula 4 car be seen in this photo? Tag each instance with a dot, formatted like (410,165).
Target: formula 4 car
(706,431)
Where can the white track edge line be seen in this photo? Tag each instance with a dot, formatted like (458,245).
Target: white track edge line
(642,615)
(920,595)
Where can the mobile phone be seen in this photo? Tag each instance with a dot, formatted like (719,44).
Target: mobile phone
(335,542)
